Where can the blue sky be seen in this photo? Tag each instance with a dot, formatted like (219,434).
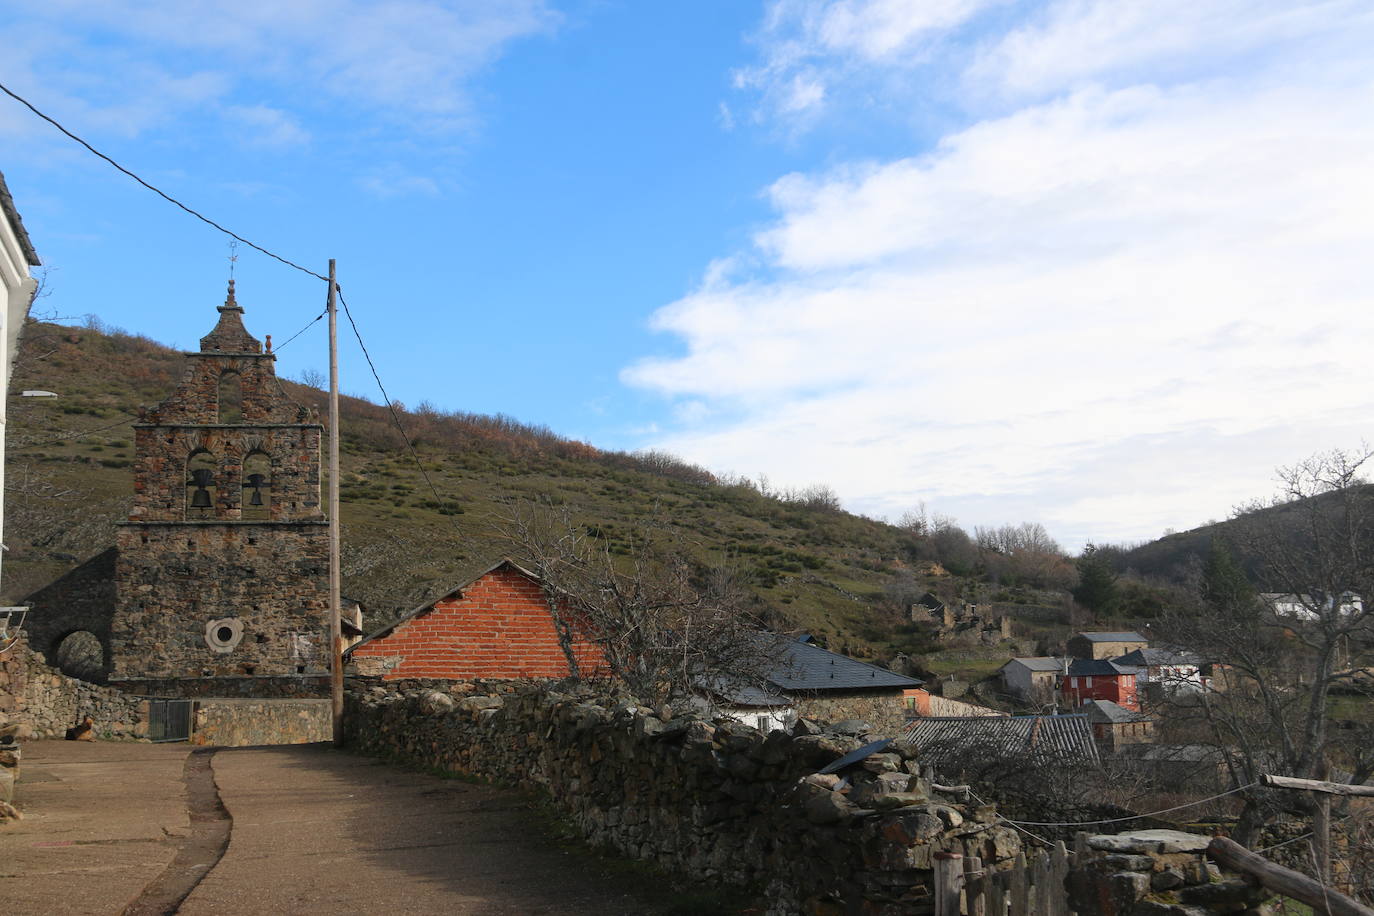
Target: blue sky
(1102,265)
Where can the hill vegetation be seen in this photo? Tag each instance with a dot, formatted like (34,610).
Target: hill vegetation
(408,534)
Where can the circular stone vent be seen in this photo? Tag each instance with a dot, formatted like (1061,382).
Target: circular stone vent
(224,634)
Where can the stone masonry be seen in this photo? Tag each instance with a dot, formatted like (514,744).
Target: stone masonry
(717,800)
(212,589)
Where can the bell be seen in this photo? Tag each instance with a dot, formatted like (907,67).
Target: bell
(256,481)
(201,479)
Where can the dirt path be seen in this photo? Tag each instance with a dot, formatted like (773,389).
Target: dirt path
(311,830)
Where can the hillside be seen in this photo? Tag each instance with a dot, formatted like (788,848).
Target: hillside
(810,565)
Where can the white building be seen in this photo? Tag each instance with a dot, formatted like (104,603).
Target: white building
(16,257)
(1307,607)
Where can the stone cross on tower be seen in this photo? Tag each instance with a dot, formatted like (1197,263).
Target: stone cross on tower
(222,570)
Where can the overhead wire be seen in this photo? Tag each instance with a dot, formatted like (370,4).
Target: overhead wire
(1134,817)
(307,327)
(251,244)
(158,191)
(77,435)
(386,398)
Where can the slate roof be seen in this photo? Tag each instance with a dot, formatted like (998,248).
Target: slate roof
(1061,737)
(1144,658)
(1095,667)
(1040,663)
(1105,711)
(1113,637)
(806,667)
(10,213)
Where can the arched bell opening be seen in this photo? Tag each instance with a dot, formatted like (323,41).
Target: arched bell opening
(201,488)
(257,486)
(230,397)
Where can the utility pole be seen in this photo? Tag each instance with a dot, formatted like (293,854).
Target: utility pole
(336,673)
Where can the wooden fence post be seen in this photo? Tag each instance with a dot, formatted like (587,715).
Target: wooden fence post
(975,886)
(949,871)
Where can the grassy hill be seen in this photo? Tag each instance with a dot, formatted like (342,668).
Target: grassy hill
(811,566)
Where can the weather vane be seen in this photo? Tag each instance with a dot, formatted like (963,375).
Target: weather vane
(233,256)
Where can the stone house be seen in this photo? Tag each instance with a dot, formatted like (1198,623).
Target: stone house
(1101,645)
(1164,671)
(1034,680)
(1114,726)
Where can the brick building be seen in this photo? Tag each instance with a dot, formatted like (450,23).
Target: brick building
(496,625)
(1099,679)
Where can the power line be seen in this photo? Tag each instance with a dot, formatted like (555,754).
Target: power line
(160,193)
(395,417)
(1133,817)
(279,346)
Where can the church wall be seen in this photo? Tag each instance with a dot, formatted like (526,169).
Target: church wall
(270,580)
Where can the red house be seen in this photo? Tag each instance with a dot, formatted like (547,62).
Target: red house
(1099,679)
(496,625)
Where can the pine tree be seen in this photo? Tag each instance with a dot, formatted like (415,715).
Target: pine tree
(1097,590)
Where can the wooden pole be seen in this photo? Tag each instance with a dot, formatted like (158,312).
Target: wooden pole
(336,674)
(949,870)
(1284,881)
(1316,785)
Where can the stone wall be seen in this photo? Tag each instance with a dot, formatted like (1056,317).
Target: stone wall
(49,702)
(1156,873)
(885,711)
(244,723)
(83,599)
(716,800)
(267,579)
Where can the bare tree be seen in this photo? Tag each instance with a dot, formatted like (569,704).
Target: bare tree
(1270,709)
(663,622)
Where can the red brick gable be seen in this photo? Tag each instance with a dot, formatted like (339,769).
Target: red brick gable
(499,626)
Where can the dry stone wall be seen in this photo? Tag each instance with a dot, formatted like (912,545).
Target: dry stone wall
(716,800)
(49,702)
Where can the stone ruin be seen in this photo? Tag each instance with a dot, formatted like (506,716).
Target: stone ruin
(961,626)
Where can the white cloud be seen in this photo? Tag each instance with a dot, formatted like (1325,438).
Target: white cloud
(262,125)
(1114,310)
(410,60)
(395,181)
(808,47)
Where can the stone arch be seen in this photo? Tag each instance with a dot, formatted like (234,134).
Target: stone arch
(257,485)
(202,490)
(229,399)
(82,655)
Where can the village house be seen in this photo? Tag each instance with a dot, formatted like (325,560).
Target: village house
(1099,679)
(1164,670)
(1309,607)
(1114,726)
(1034,680)
(1099,645)
(497,625)
(17,288)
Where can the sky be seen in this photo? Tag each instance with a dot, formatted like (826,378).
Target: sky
(1099,264)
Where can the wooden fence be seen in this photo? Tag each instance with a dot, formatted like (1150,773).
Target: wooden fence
(1034,888)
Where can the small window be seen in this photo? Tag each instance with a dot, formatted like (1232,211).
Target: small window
(230,398)
(1087,681)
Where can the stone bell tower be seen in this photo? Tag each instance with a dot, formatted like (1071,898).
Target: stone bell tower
(222,577)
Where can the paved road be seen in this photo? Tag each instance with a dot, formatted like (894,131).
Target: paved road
(313,830)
